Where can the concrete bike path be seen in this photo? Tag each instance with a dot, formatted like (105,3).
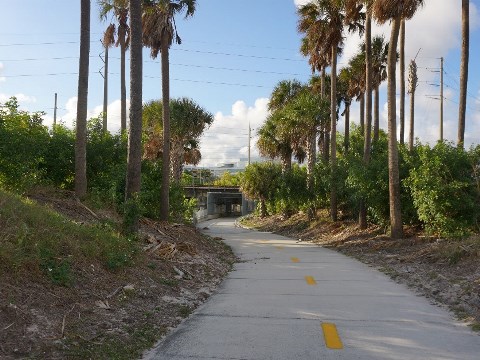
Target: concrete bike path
(290,300)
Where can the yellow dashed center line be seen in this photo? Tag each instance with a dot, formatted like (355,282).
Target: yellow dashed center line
(295,260)
(332,339)
(310,280)
(263,241)
(279,247)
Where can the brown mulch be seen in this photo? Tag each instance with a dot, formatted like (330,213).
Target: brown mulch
(445,271)
(178,269)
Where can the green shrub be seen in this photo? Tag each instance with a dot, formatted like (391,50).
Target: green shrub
(292,194)
(59,160)
(181,208)
(260,182)
(444,190)
(23,140)
(368,182)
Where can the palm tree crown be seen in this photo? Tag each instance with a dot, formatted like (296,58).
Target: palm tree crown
(159,21)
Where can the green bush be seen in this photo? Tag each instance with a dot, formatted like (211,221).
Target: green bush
(23,140)
(181,208)
(367,182)
(444,191)
(106,161)
(292,194)
(59,159)
(259,182)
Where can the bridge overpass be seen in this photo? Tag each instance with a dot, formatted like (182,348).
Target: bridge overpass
(219,201)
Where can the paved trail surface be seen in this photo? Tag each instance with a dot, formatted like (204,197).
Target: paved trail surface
(288,300)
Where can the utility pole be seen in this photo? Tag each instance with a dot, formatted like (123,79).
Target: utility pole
(105,89)
(249,139)
(441,99)
(55,112)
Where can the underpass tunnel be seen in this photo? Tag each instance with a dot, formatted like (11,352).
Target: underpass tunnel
(226,204)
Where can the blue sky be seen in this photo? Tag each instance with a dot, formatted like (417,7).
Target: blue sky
(232,55)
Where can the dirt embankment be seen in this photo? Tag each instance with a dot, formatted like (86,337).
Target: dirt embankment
(110,314)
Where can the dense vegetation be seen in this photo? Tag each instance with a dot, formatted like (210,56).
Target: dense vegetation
(31,155)
(440,186)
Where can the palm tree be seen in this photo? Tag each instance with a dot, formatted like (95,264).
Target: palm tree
(464,71)
(379,74)
(353,7)
(283,93)
(394,11)
(327,18)
(134,160)
(107,41)
(345,81)
(188,122)
(81,123)
(308,108)
(412,86)
(319,85)
(159,33)
(368,91)
(272,143)
(120,9)
(402,81)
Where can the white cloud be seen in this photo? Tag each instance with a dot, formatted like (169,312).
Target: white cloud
(22,98)
(227,139)
(68,118)
(301,2)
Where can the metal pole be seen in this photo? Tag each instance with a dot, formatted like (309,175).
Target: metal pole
(441,99)
(105,92)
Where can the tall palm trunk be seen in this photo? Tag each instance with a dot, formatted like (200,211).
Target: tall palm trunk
(324,134)
(105,92)
(412,121)
(333,133)
(123,88)
(412,80)
(464,71)
(347,126)
(81,124)
(402,82)
(286,162)
(311,159)
(376,117)
(322,83)
(134,160)
(393,171)
(362,218)
(263,208)
(165,197)
(362,113)
(177,160)
(312,156)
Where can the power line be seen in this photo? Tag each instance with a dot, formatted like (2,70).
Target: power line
(101,34)
(212,82)
(172,64)
(148,77)
(238,55)
(44,43)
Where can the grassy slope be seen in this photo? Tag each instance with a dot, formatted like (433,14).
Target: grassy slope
(63,284)
(36,240)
